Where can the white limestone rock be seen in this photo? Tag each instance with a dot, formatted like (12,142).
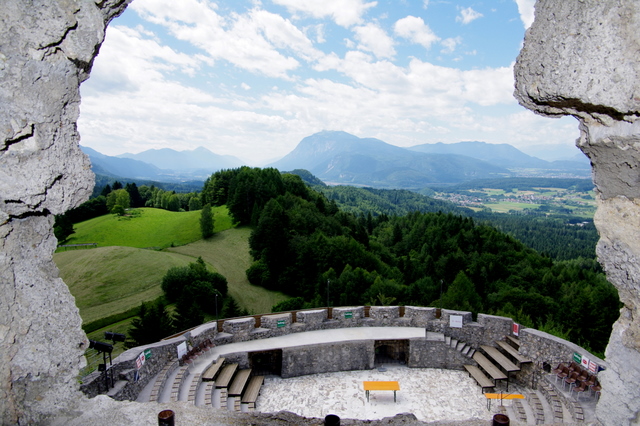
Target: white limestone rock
(580,58)
(46,51)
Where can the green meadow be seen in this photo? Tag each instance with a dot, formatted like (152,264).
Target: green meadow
(147,227)
(110,282)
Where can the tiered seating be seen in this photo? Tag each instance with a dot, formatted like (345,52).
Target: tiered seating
(253,390)
(478,375)
(211,372)
(161,379)
(224,378)
(177,382)
(237,387)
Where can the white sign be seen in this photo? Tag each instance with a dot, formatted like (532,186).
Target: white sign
(455,321)
(585,362)
(182,349)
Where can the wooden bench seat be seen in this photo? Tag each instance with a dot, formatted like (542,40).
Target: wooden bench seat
(489,367)
(479,377)
(253,390)
(211,372)
(225,376)
(513,352)
(500,358)
(513,341)
(239,382)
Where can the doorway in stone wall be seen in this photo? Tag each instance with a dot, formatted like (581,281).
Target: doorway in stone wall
(265,363)
(391,352)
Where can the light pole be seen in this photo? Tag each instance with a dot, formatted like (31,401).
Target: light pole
(328,282)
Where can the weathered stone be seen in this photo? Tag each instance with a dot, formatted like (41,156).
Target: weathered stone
(46,51)
(581,59)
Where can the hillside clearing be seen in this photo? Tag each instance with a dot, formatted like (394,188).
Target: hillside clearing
(109,280)
(151,228)
(228,253)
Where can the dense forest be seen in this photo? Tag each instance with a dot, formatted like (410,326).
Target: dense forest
(348,246)
(306,246)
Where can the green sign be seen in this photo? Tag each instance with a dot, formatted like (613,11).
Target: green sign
(577,357)
(348,314)
(147,354)
(282,323)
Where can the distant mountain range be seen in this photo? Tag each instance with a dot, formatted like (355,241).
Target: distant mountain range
(342,158)
(162,165)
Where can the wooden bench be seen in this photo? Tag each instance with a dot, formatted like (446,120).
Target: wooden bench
(514,341)
(500,358)
(489,367)
(211,372)
(479,377)
(239,382)
(253,390)
(513,352)
(226,375)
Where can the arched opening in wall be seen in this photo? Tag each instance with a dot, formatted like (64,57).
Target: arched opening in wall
(264,363)
(391,352)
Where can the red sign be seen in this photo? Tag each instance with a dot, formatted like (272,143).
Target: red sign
(515,329)
(593,367)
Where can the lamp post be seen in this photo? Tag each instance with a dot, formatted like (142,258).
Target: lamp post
(328,304)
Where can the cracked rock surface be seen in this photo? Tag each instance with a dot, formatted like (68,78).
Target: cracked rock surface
(580,58)
(46,51)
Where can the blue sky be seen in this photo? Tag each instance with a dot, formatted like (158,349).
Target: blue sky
(251,78)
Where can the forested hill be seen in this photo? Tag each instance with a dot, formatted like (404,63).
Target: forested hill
(307,247)
(561,237)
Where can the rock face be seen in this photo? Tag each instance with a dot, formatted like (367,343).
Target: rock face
(581,59)
(46,51)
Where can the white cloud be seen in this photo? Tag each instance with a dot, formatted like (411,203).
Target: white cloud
(374,39)
(414,29)
(250,41)
(245,86)
(526,10)
(425,4)
(344,12)
(468,15)
(450,44)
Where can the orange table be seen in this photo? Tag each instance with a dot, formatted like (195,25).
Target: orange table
(369,386)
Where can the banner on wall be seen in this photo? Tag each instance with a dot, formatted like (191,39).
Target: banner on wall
(515,328)
(455,321)
(140,360)
(585,362)
(593,367)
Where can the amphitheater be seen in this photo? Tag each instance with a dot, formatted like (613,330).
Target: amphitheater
(579,58)
(314,362)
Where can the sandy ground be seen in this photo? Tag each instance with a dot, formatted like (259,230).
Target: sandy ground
(430,394)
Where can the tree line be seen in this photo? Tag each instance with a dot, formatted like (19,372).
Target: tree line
(307,247)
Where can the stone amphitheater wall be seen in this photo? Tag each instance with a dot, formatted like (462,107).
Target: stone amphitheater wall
(428,352)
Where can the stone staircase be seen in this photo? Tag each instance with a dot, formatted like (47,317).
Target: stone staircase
(460,346)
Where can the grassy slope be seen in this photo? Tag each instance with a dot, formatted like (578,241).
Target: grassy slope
(228,252)
(153,228)
(109,280)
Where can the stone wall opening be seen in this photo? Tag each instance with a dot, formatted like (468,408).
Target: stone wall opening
(391,352)
(265,363)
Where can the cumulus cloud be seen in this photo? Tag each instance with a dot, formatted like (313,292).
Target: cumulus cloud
(374,39)
(344,12)
(526,10)
(250,41)
(413,28)
(450,44)
(468,15)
